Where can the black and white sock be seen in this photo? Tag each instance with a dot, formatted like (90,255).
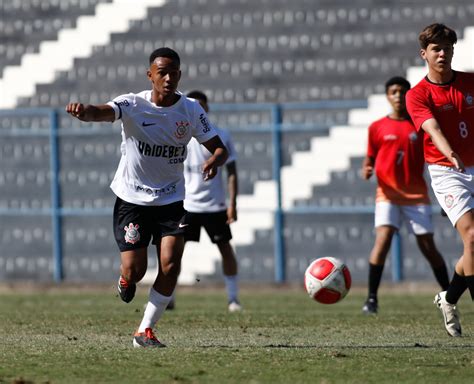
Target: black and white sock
(470,284)
(456,288)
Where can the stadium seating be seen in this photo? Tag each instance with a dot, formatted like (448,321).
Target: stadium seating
(25,24)
(291,52)
(24,176)
(29,243)
(237,52)
(87,167)
(90,251)
(345,189)
(347,236)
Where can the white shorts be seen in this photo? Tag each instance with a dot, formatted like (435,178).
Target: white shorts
(453,189)
(417,216)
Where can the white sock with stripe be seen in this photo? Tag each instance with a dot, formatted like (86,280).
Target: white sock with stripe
(157,304)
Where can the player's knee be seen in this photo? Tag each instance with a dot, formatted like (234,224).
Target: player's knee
(385,232)
(171,269)
(383,241)
(226,250)
(133,274)
(470,236)
(426,243)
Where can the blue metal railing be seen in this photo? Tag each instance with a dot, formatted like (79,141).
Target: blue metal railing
(55,197)
(277,126)
(280,262)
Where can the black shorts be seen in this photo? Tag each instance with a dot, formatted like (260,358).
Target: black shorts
(215,224)
(135,225)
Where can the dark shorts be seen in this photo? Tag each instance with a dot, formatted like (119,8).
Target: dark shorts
(135,225)
(214,223)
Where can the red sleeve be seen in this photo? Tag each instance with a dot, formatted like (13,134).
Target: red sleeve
(372,147)
(418,107)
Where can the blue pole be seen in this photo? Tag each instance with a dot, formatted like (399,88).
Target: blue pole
(397,258)
(280,264)
(55,197)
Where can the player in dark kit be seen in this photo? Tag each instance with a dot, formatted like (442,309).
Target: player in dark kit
(395,150)
(442,106)
(157,125)
(206,205)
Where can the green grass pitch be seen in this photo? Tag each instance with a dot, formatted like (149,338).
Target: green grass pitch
(62,336)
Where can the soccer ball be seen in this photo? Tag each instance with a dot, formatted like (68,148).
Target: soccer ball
(327,280)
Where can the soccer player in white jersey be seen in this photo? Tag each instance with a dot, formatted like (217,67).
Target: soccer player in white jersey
(157,125)
(206,204)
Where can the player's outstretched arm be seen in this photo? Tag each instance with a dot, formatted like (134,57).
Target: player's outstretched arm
(233,187)
(218,158)
(432,128)
(367,168)
(91,112)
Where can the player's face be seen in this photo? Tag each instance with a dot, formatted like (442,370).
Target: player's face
(396,97)
(164,74)
(439,56)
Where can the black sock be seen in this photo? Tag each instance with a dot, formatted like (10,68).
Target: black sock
(375,275)
(456,288)
(441,274)
(470,284)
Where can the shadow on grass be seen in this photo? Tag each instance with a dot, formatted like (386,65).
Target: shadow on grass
(386,346)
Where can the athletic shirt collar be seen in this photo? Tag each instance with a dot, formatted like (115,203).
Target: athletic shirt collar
(443,84)
(175,105)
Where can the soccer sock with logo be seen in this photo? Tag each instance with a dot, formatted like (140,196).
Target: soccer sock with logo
(470,284)
(441,274)
(456,288)
(232,287)
(157,304)
(375,275)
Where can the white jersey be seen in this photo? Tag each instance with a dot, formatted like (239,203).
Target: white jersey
(154,147)
(209,195)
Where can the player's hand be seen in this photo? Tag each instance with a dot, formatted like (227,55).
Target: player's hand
(76,109)
(457,162)
(367,171)
(209,171)
(231,214)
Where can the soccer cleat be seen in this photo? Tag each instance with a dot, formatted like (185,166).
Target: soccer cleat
(126,290)
(370,307)
(450,315)
(234,306)
(146,339)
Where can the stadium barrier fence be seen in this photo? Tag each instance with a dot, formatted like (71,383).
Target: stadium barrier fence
(276,127)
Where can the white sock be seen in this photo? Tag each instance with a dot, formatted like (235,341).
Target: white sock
(156,306)
(232,286)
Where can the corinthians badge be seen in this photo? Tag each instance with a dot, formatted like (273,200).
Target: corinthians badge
(449,200)
(131,233)
(181,129)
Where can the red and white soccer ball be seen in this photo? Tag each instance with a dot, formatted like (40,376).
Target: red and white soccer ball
(327,280)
